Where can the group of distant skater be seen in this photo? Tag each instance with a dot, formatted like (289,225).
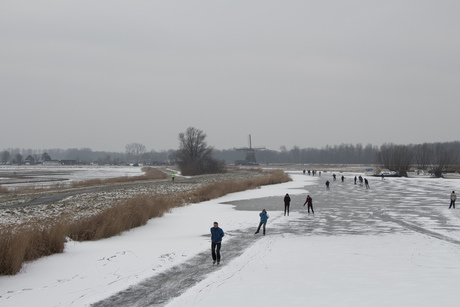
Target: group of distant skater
(360,178)
(313,172)
(217,233)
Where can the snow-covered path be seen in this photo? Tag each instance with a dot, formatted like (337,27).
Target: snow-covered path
(395,244)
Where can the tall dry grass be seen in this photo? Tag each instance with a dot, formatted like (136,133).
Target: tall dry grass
(27,244)
(19,245)
(126,215)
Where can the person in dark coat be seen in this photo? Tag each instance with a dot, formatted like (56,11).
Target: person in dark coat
(263,220)
(287,202)
(327,184)
(453,198)
(309,203)
(216,241)
(366,183)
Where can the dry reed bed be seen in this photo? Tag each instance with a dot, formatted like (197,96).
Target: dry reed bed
(30,242)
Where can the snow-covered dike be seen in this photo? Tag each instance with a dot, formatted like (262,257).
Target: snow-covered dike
(395,244)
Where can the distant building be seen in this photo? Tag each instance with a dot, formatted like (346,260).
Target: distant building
(29,160)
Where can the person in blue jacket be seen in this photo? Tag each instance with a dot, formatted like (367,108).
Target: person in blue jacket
(263,220)
(216,240)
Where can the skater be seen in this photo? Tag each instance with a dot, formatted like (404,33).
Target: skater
(287,202)
(366,183)
(343,178)
(309,203)
(333,175)
(216,240)
(327,184)
(360,180)
(453,198)
(263,221)
(383,177)
(355,179)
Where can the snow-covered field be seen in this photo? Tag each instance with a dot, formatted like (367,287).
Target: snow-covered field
(13,176)
(395,244)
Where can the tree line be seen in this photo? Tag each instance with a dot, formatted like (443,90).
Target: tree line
(85,156)
(338,154)
(195,156)
(434,157)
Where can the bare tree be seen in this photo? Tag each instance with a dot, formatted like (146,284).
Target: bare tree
(423,155)
(134,151)
(46,157)
(402,159)
(396,158)
(385,156)
(5,156)
(18,158)
(443,158)
(194,157)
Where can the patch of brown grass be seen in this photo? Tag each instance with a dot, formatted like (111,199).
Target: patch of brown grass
(26,244)
(126,215)
(12,250)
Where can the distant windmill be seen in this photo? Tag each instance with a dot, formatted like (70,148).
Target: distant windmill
(250,154)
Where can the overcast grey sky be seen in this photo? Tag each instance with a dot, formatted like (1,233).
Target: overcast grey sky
(102,74)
